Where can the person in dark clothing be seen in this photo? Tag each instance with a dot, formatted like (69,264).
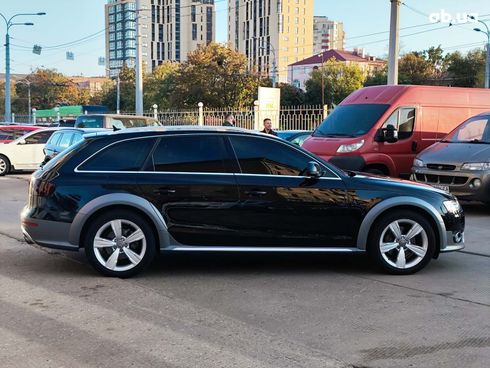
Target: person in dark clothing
(268,127)
(229,120)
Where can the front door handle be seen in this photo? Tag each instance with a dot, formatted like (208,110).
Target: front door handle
(164,191)
(414,146)
(256,193)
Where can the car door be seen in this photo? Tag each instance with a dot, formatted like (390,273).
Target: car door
(279,206)
(29,150)
(188,179)
(404,150)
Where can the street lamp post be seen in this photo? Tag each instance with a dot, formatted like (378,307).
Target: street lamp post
(274,69)
(487,63)
(9,24)
(323,82)
(28,84)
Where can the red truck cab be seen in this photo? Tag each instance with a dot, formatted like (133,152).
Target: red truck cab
(381,129)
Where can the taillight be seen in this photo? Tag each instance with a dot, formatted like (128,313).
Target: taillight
(44,188)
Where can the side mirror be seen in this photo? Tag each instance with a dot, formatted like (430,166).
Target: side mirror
(390,134)
(22,141)
(312,170)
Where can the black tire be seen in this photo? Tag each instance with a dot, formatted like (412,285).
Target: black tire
(4,165)
(404,218)
(144,249)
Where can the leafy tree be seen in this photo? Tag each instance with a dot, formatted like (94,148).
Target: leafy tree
(339,80)
(414,69)
(291,95)
(379,77)
(467,70)
(127,91)
(217,76)
(159,85)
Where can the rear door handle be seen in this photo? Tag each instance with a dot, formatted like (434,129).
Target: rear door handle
(256,193)
(164,191)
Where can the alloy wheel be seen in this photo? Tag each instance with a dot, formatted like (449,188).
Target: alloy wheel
(119,245)
(403,243)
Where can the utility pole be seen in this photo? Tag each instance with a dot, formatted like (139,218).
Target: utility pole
(139,71)
(487,63)
(394,42)
(118,97)
(9,23)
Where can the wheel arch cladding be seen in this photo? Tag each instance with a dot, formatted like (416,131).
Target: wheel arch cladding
(403,202)
(113,201)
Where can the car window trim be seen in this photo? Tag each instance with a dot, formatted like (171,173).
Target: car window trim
(157,139)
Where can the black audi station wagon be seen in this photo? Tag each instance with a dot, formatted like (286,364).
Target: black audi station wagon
(125,196)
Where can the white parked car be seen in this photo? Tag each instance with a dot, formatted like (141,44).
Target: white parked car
(24,153)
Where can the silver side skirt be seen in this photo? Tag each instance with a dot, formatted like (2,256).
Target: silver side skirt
(185,248)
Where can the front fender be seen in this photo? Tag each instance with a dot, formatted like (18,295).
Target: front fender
(382,207)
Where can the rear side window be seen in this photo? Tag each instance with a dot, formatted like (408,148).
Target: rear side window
(65,140)
(190,154)
(129,155)
(87,121)
(55,138)
(39,138)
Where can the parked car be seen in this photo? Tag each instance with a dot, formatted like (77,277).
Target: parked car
(294,136)
(64,138)
(460,163)
(8,133)
(24,153)
(380,129)
(113,121)
(124,196)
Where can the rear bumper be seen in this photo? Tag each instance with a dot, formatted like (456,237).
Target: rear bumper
(460,183)
(50,234)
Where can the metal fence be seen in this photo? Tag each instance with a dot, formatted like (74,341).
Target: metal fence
(305,117)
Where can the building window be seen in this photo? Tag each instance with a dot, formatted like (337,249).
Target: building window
(130,44)
(194,31)
(111,10)
(131,24)
(130,15)
(130,6)
(111,18)
(111,27)
(193,13)
(119,44)
(112,54)
(119,16)
(119,54)
(112,45)
(131,53)
(130,34)
(118,26)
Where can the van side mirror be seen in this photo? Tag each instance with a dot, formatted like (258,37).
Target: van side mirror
(312,170)
(391,134)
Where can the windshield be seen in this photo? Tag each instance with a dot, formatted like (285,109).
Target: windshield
(87,121)
(473,130)
(350,120)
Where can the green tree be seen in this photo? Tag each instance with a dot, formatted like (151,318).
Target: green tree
(127,91)
(414,69)
(159,85)
(467,70)
(379,77)
(217,76)
(291,95)
(339,80)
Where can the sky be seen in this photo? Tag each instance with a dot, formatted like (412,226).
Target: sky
(366,23)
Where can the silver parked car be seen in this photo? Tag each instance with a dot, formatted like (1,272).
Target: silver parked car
(460,163)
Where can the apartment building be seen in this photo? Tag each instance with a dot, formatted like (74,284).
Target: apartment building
(271,31)
(327,35)
(169,29)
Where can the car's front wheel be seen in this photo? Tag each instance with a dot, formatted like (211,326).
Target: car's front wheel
(4,165)
(119,243)
(402,242)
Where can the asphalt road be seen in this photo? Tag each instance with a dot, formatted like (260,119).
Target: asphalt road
(218,310)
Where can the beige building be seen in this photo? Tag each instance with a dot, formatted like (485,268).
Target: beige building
(170,29)
(300,71)
(92,84)
(327,35)
(269,31)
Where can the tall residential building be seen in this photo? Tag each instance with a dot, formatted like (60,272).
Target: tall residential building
(271,30)
(327,35)
(170,29)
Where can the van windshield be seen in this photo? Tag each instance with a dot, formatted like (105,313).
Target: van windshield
(473,130)
(350,120)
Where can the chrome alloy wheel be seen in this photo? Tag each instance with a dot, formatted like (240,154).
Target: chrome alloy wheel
(403,243)
(119,245)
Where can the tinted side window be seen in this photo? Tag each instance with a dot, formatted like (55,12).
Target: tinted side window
(88,121)
(55,138)
(39,138)
(65,140)
(122,156)
(76,137)
(264,156)
(197,153)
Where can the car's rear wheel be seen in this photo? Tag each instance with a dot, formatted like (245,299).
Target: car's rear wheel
(402,242)
(119,243)
(4,165)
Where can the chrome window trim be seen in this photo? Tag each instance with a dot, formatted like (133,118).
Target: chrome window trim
(275,139)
